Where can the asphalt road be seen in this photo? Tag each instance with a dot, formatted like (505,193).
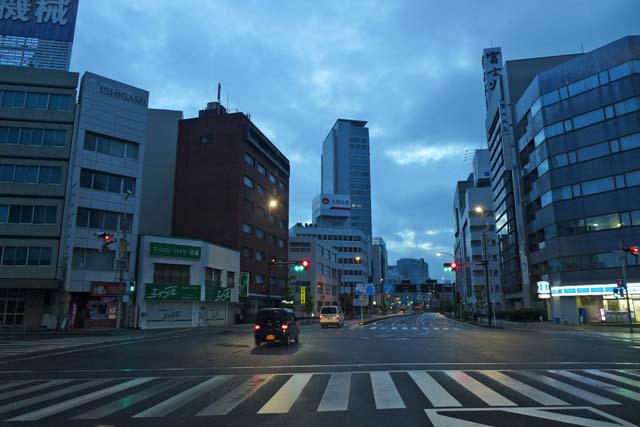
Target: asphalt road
(403,371)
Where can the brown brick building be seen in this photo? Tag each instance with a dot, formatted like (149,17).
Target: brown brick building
(232,189)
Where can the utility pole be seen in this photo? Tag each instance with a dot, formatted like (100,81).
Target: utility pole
(122,249)
(486,267)
(626,290)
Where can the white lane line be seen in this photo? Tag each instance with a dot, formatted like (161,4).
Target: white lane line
(284,399)
(227,403)
(629,394)
(436,328)
(524,389)
(483,392)
(52,395)
(68,404)
(628,381)
(445,328)
(130,400)
(373,328)
(15,384)
(385,392)
(569,389)
(414,328)
(404,328)
(456,329)
(629,372)
(432,390)
(394,328)
(179,400)
(425,329)
(383,327)
(31,389)
(336,395)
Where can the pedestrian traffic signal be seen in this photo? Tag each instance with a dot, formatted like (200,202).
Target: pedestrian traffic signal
(634,250)
(450,266)
(303,265)
(131,286)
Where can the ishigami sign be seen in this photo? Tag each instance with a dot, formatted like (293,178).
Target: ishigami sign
(42,19)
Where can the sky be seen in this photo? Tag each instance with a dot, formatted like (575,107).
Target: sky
(412,69)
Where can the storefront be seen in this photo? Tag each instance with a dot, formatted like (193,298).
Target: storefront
(594,304)
(170,306)
(102,306)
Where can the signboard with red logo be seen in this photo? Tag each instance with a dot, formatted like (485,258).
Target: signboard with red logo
(103,289)
(336,205)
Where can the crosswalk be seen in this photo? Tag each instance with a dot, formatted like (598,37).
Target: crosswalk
(152,397)
(14,347)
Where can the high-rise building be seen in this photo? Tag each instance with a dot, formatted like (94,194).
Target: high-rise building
(412,269)
(504,85)
(346,169)
(36,124)
(103,196)
(232,189)
(37,33)
(578,130)
(475,239)
(379,263)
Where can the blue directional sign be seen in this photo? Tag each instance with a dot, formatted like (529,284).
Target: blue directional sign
(388,289)
(360,289)
(371,289)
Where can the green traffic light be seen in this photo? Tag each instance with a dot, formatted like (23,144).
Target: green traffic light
(298,268)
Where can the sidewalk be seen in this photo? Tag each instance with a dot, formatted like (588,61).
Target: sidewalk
(549,326)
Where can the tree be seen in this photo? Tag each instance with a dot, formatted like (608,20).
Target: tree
(308,304)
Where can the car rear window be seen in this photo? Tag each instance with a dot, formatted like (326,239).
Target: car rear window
(271,315)
(329,310)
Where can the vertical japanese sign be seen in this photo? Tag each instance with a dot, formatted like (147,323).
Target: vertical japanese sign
(43,19)
(303,294)
(492,67)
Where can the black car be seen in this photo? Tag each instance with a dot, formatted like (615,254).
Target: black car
(275,324)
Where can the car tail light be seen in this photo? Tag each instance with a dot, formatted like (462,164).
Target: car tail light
(321,317)
(284,327)
(256,328)
(337,316)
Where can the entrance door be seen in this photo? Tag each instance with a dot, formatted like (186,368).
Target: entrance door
(12,304)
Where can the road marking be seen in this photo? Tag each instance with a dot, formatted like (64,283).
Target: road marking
(15,384)
(445,328)
(630,394)
(28,390)
(629,372)
(336,395)
(385,393)
(414,328)
(52,395)
(404,328)
(435,327)
(282,401)
(68,404)
(432,390)
(618,378)
(569,389)
(524,389)
(483,392)
(394,328)
(181,399)
(425,329)
(383,327)
(130,400)
(373,328)
(226,404)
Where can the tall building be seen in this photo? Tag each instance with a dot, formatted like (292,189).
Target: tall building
(473,236)
(232,189)
(346,169)
(379,262)
(578,130)
(504,84)
(36,33)
(36,127)
(103,196)
(415,270)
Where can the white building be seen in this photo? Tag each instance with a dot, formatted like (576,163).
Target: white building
(103,195)
(379,266)
(186,283)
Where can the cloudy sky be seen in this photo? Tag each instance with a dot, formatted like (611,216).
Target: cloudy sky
(410,68)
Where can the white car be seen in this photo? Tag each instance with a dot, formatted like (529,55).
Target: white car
(331,315)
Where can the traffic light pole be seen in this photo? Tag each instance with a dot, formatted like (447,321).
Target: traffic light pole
(626,289)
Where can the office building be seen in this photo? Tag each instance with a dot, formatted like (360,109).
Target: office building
(232,189)
(504,84)
(321,280)
(379,260)
(415,270)
(346,169)
(103,196)
(36,127)
(578,130)
(36,33)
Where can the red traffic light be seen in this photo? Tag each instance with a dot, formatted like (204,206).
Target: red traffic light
(633,249)
(107,238)
(305,263)
(454,266)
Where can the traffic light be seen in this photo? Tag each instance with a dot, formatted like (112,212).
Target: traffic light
(131,287)
(107,239)
(634,250)
(450,266)
(303,265)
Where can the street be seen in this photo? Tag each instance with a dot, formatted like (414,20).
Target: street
(418,369)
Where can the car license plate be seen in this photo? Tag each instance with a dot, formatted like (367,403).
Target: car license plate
(271,337)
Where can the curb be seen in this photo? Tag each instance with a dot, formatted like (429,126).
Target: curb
(484,325)
(364,322)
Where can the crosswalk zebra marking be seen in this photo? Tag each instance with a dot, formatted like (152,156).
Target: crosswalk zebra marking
(394,328)
(286,396)
(226,404)
(373,328)
(435,328)
(11,384)
(630,394)
(624,380)
(629,372)
(432,390)
(336,395)
(181,399)
(31,389)
(484,393)
(68,404)
(385,392)
(404,328)
(569,389)
(524,389)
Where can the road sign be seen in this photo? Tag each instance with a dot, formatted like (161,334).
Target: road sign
(360,289)
(303,294)
(370,289)
(388,289)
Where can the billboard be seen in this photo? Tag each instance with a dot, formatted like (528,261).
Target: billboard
(338,205)
(42,19)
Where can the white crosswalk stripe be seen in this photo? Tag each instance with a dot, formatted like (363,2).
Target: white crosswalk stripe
(225,395)
(24,347)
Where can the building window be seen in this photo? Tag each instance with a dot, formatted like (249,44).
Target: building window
(261,211)
(33,136)
(208,276)
(171,274)
(272,178)
(104,220)
(27,214)
(246,228)
(20,174)
(247,252)
(231,279)
(111,146)
(249,160)
(247,204)
(26,255)
(259,279)
(102,181)
(36,100)
(280,243)
(93,259)
(283,225)
(281,184)
(260,233)
(248,181)
(260,256)
(262,169)
(261,189)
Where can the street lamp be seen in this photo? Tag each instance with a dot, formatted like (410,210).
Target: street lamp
(273,203)
(485,261)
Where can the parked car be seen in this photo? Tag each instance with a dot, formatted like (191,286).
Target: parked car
(331,315)
(276,324)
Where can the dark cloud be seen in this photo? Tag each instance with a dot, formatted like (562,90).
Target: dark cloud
(412,69)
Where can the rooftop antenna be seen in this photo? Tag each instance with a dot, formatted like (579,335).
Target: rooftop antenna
(219,89)
(582,47)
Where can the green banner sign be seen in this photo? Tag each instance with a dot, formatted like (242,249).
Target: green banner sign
(244,284)
(217,294)
(154,291)
(174,251)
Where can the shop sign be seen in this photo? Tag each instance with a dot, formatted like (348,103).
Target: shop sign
(303,294)
(543,288)
(100,289)
(217,294)
(244,284)
(154,291)
(174,251)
